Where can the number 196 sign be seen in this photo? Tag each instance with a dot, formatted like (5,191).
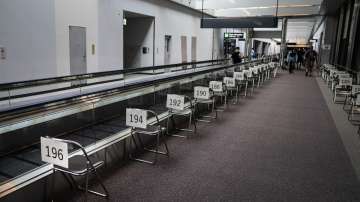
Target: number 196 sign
(54,152)
(136,118)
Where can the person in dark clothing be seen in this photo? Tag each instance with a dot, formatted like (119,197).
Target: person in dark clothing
(310,61)
(236,56)
(300,61)
(292,59)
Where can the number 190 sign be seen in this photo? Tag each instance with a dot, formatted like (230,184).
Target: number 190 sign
(54,152)
(136,118)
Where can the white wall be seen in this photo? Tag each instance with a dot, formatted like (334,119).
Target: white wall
(82,13)
(27,31)
(36,34)
(170,19)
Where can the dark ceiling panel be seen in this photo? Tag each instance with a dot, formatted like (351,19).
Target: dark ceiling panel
(242,22)
(330,7)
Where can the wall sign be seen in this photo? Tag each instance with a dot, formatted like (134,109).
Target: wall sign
(229,35)
(136,118)
(54,152)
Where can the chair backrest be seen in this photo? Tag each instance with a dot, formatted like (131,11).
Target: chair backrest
(201,92)
(355,89)
(345,81)
(216,86)
(230,82)
(240,76)
(75,146)
(138,118)
(177,102)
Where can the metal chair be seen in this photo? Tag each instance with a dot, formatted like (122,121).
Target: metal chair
(188,111)
(342,87)
(232,87)
(209,102)
(154,130)
(355,106)
(349,99)
(223,95)
(81,165)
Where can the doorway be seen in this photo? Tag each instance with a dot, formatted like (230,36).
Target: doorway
(77,45)
(193,49)
(139,40)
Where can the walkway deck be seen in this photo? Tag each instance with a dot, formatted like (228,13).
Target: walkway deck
(280,145)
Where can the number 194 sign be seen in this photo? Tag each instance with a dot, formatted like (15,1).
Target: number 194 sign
(54,152)
(136,118)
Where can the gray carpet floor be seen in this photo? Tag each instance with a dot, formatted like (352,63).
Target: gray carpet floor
(279,145)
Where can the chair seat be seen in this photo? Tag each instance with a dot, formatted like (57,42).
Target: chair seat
(343,92)
(150,130)
(204,101)
(184,112)
(220,94)
(231,88)
(77,163)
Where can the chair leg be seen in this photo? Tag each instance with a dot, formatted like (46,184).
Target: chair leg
(86,184)
(101,183)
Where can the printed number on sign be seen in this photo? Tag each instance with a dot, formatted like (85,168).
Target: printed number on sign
(136,118)
(54,152)
(230,82)
(201,92)
(239,75)
(216,86)
(175,102)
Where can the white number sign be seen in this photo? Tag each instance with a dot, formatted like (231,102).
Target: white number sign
(344,76)
(216,86)
(229,82)
(54,152)
(176,102)
(355,89)
(345,81)
(239,76)
(247,73)
(201,92)
(136,118)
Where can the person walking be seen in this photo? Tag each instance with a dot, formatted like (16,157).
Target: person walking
(291,59)
(235,56)
(310,61)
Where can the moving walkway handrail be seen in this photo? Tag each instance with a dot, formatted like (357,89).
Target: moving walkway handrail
(53,80)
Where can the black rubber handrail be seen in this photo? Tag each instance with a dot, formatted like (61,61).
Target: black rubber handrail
(54,80)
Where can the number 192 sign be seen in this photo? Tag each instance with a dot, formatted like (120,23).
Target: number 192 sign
(136,118)
(176,102)
(54,152)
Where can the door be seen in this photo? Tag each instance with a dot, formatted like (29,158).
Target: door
(193,48)
(184,50)
(77,38)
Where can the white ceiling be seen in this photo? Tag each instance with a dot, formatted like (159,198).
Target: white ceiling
(298,29)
